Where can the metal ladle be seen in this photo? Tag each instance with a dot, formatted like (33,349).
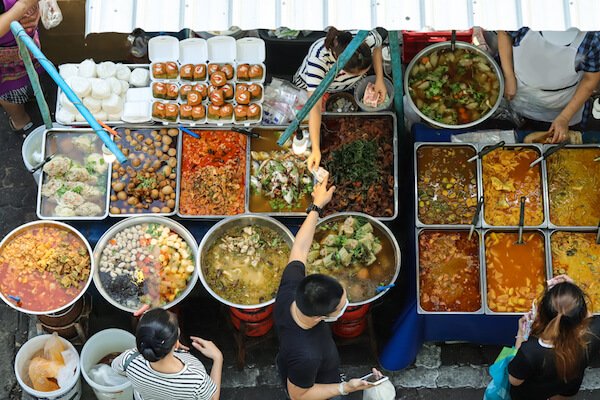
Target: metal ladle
(475,217)
(521,220)
(549,152)
(40,165)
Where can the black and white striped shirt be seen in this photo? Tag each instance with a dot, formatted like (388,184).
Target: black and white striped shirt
(319,61)
(191,383)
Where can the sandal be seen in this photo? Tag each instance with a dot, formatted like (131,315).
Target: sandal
(24,130)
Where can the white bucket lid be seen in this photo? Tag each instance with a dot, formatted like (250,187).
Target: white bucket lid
(250,50)
(221,49)
(193,51)
(163,48)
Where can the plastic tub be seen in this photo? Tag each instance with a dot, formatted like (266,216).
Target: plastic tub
(359,92)
(97,347)
(32,151)
(71,391)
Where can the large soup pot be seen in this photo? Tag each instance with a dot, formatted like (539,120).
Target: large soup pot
(459,45)
(59,225)
(384,233)
(217,232)
(132,221)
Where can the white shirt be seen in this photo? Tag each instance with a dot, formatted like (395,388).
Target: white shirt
(320,60)
(191,383)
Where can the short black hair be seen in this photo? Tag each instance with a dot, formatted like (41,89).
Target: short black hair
(156,334)
(318,295)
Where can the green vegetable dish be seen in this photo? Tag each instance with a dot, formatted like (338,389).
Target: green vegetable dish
(357,254)
(453,87)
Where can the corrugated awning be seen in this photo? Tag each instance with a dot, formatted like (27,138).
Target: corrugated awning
(420,15)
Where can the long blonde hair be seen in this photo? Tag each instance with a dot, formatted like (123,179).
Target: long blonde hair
(562,320)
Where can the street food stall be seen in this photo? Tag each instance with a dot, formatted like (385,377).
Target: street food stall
(168,172)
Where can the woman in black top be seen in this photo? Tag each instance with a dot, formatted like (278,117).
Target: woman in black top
(564,339)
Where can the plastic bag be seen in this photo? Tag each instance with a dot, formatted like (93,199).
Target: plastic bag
(56,368)
(281,101)
(499,387)
(487,136)
(50,13)
(383,391)
(104,375)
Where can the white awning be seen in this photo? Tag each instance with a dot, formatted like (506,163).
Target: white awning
(420,15)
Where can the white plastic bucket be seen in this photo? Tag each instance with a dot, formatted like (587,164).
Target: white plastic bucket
(97,347)
(32,150)
(71,391)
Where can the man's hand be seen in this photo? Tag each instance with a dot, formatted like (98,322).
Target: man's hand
(321,195)
(140,311)
(314,160)
(559,279)
(381,90)
(207,348)
(510,87)
(559,129)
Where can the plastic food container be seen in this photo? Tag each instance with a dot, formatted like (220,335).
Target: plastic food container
(163,49)
(251,51)
(193,51)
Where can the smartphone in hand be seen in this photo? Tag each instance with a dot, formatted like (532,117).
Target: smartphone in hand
(374,380)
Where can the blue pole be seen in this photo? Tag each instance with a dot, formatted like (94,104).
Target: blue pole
(20,34)
(398,79)
(322,88)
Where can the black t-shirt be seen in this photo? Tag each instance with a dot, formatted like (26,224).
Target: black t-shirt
(306,356)
(535,364)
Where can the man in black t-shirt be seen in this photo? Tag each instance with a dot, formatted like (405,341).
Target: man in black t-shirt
(308,360)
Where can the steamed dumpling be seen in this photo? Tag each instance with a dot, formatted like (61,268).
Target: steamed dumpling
(139,77)
(115,85)
(68,70)
(100,89)
(81,86)
(115,117)
(124,86)
(94,105)
(101,115)
(87,69)
(123,72)
(66,103)
(79,117)
(106,69)
(113,104)
(65,116)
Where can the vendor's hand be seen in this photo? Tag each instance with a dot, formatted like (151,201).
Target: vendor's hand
(523,326)
(354,385)
(559,129)
(179,346)
(30,21)
(26,5)
(140,311)
(510,87)
(207,348)
(381,90)
(559,279)
(314,160)
(321,195)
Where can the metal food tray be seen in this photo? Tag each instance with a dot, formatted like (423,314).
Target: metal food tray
(389,114)
(119,122)
(297,214)
(418,222)
(543,175)
(420,310)
(43,175)
(551,225)
(180,159)
(549,234)
(547,269)
(150,127)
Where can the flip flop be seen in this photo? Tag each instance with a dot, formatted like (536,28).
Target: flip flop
(596,109)
(24,130)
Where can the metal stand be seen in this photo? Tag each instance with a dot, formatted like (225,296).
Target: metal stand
(80,325)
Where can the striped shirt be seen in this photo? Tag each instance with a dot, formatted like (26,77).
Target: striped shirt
(319,61)
(191,383)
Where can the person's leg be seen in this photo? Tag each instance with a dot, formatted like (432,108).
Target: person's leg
(17,114)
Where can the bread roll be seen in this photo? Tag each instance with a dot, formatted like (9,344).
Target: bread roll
(106,69)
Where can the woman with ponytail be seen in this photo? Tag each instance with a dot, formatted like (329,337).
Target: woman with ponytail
(321,57)
(563,340)
(160,368)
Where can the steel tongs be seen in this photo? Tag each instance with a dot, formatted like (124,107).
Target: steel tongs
(246,131)
(549,152)
(486,150)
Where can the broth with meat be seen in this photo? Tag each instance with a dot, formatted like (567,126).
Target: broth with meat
(446,184)
(453,87)
(449,271)
(244,265)
(515,273)
(356,253)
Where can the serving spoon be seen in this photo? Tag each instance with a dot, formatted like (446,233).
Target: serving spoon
(486,150)
(549,152)
(521,220)
(475,217)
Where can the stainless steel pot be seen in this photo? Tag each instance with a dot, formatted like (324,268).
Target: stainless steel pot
(384,233)
(132,221)
(459,45)
(232,222)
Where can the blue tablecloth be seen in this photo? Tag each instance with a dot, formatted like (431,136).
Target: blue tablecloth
(412,329)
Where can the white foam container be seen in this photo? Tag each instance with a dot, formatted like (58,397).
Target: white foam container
(71,391)
(137,112)
(163,49)
(251,51)
(193,51)
(99,346)
(191,123)
(176,83)
(252,121)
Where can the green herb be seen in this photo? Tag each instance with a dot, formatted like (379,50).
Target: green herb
(77,189)
(90,167)
(146,183)
(356,163)
(60,192)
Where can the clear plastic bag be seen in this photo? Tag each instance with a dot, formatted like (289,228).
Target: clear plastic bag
(50,13)
(383,391)
(488,136)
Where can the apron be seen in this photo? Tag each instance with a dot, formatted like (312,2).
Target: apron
(546,77)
